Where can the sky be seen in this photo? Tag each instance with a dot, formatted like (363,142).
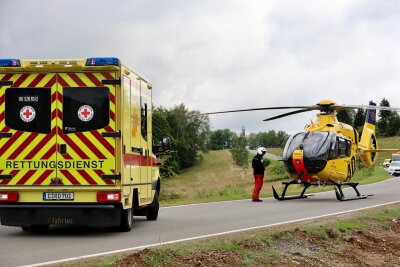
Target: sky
(226,54)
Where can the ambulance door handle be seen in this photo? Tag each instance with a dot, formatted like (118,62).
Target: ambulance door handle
(137,150)
(63,149)
(6,135)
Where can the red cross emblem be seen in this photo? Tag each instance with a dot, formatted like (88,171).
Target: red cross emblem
(85,113)
(27,114)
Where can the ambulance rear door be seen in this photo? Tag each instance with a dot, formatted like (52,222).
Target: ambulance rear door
(28,129)
(86,129)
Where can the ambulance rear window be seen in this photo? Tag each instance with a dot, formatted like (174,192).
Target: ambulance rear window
(85,109)
(28,109)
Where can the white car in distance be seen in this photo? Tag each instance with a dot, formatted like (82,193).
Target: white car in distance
(394,168)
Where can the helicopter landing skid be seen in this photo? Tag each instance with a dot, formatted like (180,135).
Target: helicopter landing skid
(287,184)
(340,195)
(338,190)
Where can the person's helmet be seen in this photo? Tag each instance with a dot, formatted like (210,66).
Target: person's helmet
(261,150)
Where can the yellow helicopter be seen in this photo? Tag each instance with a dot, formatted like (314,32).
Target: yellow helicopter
(325,152)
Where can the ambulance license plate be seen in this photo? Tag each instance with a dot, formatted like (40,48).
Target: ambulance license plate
(58,196)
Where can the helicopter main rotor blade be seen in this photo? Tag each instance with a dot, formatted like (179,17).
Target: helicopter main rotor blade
(266,108)
(343,107)
(323,108)
(289,114)
(379,150)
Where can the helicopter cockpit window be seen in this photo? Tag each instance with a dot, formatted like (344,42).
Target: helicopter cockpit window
(292,144)
(316,145)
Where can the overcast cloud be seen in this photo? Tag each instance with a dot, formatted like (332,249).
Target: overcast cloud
(225,54)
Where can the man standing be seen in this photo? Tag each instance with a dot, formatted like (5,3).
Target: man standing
(258,172)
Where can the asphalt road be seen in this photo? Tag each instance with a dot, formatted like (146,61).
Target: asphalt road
(181,223)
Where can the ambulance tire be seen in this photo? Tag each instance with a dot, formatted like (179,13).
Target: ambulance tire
(35,228)
(126,220)
(152,210)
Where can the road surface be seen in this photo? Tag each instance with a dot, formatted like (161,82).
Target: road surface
(267,155)
(181,223)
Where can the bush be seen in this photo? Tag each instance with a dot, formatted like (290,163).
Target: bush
(277,168)
(266,162)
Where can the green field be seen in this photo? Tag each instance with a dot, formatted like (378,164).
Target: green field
(215,178)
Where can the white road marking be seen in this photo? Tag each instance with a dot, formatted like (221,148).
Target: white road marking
(204,236)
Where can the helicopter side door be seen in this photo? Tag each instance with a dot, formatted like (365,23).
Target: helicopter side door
(340,161)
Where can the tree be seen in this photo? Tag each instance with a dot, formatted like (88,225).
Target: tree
(384,117)
(188,131)
(345,116)
(281,139)
(393,125)
(253,140)
(221,139)
(239,152)
(267,139)
(359,119)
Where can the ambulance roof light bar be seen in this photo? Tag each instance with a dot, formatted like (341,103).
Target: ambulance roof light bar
(10,62)
(102,61)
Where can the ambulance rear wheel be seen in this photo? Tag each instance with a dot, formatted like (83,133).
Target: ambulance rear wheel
(152,212)
(35,228)
(126,220)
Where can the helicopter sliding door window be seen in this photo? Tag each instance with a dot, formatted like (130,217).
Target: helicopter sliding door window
(333,154)
(343,147)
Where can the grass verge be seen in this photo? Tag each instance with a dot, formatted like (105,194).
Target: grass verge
(352,239)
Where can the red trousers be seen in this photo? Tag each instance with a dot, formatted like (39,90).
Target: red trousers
(259,180)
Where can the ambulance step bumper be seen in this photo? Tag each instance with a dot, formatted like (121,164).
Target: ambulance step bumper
(33,214)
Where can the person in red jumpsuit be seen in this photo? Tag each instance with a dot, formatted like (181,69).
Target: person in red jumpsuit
(258,172)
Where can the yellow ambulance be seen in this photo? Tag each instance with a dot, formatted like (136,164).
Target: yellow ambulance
(76,144)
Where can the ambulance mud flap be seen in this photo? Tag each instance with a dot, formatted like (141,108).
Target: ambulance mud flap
(32,214)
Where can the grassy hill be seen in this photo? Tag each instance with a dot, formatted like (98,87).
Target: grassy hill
(215,178)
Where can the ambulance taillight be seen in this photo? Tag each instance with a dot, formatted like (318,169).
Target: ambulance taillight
(9,196)
(108,196)
(11,62)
